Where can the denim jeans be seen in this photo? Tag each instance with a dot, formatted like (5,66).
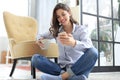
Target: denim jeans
(83,66)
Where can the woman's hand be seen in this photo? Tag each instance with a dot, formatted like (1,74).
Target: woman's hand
(39,42)
(66,39)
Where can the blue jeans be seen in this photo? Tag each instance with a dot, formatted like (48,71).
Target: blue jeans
(83,66)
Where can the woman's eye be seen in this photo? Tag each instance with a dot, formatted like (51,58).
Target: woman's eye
(63,14)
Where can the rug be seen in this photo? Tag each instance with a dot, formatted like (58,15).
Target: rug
(21,72)
(22,67)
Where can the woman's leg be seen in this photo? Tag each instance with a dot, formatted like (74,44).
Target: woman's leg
(85,64)
(45,65)
(78,71)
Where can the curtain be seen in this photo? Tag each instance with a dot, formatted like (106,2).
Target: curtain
(44,9)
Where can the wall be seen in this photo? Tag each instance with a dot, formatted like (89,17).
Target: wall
(76,13)
(3,45)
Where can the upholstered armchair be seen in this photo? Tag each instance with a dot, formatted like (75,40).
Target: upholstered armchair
(22,33)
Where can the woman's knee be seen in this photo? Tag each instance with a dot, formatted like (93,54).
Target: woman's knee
(35,59)
(93,52)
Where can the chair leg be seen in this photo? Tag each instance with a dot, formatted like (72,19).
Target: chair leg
(33,72)
(13,67)
(56,60)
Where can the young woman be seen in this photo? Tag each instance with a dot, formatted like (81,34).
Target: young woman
(77,56)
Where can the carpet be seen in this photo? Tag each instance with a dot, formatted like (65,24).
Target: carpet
(22,67)
(28,68)
(21,72)
(24,73)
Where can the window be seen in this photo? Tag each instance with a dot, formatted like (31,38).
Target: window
(103,20)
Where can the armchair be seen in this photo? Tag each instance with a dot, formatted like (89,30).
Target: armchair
(22,33)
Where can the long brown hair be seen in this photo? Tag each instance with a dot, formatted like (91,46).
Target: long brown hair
(54,29)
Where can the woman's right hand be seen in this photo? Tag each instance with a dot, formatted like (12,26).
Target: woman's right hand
(39,42)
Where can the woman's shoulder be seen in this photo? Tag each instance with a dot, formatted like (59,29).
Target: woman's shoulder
(81,27)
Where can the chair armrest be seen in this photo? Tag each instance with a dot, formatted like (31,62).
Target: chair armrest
(28,48)
(25,49)
(11,44)
(12,41)
(52,51)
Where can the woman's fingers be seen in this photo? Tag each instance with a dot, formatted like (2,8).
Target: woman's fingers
(40,43)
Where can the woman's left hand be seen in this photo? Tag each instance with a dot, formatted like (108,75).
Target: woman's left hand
(67,40)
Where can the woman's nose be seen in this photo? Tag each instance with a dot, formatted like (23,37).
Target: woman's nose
(61,18)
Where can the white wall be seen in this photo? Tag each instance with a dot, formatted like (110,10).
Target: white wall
(3,45)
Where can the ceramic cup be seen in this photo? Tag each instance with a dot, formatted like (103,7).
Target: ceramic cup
(46,43)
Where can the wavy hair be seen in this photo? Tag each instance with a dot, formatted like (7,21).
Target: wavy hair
(54,29)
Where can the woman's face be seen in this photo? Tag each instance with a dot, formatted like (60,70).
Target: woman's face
(63,17)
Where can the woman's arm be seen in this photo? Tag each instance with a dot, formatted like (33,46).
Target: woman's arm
(83,42)
(46,35)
